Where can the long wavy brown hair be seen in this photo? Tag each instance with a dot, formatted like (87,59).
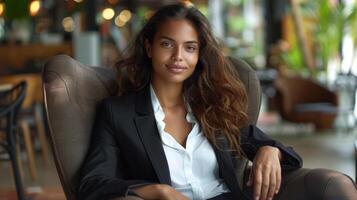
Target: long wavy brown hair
(214,91)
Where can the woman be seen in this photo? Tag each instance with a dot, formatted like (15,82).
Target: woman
(179,123)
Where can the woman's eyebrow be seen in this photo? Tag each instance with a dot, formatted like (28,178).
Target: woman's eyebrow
(168,38)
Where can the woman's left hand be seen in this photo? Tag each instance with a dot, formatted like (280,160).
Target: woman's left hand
(265,175)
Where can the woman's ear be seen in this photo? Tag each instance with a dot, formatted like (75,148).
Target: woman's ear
(148,48)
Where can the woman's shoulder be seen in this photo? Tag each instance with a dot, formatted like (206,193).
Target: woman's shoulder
(119,101)
(126,103)
(117,108)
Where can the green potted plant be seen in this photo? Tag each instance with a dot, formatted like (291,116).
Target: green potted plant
(331,22)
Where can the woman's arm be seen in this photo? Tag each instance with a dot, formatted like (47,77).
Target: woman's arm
(159,191)
(252,138)
(269,158)
(101,175)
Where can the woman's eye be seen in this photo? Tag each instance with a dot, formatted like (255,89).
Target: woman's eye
(191,48)
(166,44)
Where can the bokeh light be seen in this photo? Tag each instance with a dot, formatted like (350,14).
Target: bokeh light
(2,8)
(68,24)
(35,7)
(119,22)
(108,13)
(125,15)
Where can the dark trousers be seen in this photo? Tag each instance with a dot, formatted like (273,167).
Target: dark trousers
(304,184)
(316,184)
(224,196)
(309,184)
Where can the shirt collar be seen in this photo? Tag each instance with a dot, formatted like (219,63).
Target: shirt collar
(154,100)
(158,109)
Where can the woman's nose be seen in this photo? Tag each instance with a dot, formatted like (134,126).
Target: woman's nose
(177,54)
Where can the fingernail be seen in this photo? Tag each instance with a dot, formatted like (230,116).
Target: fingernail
(276,192)
(256,198)
(270,198)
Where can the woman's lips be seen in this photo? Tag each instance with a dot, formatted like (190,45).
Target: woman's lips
(176,68)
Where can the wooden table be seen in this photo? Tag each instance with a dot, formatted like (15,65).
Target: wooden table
(4,87)
(17,56)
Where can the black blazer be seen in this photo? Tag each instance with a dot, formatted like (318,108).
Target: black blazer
(126,150)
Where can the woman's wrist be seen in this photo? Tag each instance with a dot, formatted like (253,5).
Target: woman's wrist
(152,191)
(274,149)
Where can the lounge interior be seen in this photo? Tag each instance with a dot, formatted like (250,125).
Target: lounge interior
(304,54)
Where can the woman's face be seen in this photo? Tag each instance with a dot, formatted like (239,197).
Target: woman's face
(174,51)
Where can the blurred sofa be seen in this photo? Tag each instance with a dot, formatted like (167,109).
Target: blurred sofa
(303,100)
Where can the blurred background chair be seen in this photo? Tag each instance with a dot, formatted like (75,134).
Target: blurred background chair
(31,116)
(10,105)
(302,100)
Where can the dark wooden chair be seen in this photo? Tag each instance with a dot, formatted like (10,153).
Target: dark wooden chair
(10,105)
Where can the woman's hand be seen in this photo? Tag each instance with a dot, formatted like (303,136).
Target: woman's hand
(265,175)
(159,191)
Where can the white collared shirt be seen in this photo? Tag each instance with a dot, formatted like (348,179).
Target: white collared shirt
(194,169)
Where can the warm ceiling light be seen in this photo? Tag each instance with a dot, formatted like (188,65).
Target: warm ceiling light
(2,8)
(35,7)
(119,22)
(68,24)
(125,15)
(78,1)
(108,13)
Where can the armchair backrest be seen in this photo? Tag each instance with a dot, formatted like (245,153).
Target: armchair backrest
(71,93)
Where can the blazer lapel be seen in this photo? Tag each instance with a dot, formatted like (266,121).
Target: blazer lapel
(147,129)
(226,169)
(146,126)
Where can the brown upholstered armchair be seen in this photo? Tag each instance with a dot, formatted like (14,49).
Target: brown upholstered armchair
(71,93)
(302,100)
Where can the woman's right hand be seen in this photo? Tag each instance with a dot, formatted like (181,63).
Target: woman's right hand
(159,191)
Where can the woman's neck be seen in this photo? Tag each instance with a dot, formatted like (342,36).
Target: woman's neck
(169,95)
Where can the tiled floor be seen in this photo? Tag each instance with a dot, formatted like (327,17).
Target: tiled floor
(325,150)
(47,175)
(47,193)
(46,187)
(332,150)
